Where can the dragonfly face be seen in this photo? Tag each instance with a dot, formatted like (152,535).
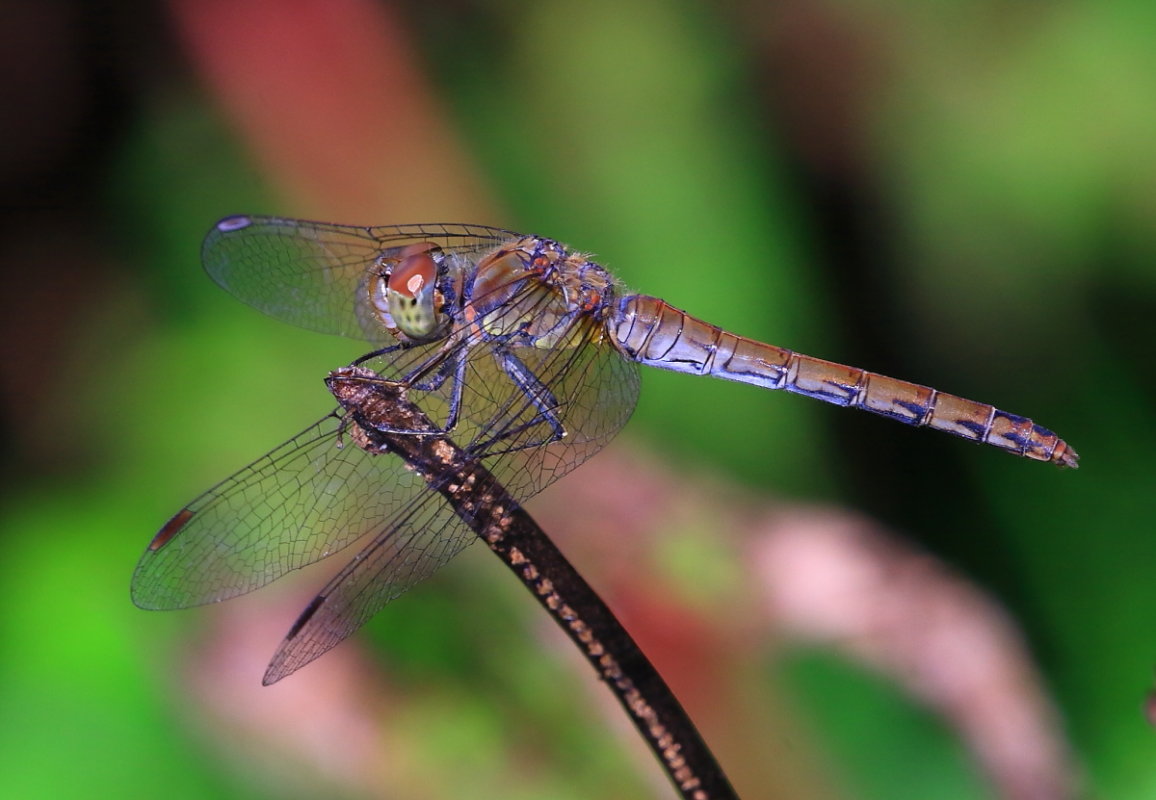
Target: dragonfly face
(404,292)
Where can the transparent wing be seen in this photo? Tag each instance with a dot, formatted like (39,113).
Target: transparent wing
(593,391)
(305,500)
(313,274)
(529,411)
(426,536)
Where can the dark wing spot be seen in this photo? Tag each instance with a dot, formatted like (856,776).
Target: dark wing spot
(306,615)
(179,520)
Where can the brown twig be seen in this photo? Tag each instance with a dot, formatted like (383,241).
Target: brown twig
(374,407)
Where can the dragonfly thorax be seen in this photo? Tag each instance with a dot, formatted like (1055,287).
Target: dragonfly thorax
(536,289)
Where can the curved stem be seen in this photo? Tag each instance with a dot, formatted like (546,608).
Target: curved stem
(483,503)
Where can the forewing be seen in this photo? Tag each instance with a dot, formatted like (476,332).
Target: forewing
(305,500)
(314,274)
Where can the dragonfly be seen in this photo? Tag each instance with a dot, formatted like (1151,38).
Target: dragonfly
(522,350)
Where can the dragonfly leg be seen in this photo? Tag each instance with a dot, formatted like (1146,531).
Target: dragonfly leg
(413,379)
(536,392)
(442,368)
(541,398)
(393,348)
(429,375)
(458,361)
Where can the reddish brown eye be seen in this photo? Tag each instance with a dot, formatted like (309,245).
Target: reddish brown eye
(412,274)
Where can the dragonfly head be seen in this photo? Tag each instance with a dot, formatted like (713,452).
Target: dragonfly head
(405,294)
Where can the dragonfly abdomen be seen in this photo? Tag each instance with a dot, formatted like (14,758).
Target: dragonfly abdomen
(656,333)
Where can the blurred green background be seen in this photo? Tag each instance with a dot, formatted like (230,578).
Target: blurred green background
(960,194)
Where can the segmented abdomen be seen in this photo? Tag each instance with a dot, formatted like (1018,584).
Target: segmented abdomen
(652,331)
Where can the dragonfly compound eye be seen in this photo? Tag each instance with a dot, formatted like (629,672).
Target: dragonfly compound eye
(411,293)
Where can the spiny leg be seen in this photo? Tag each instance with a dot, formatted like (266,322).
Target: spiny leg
(445,363)
(531,387)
